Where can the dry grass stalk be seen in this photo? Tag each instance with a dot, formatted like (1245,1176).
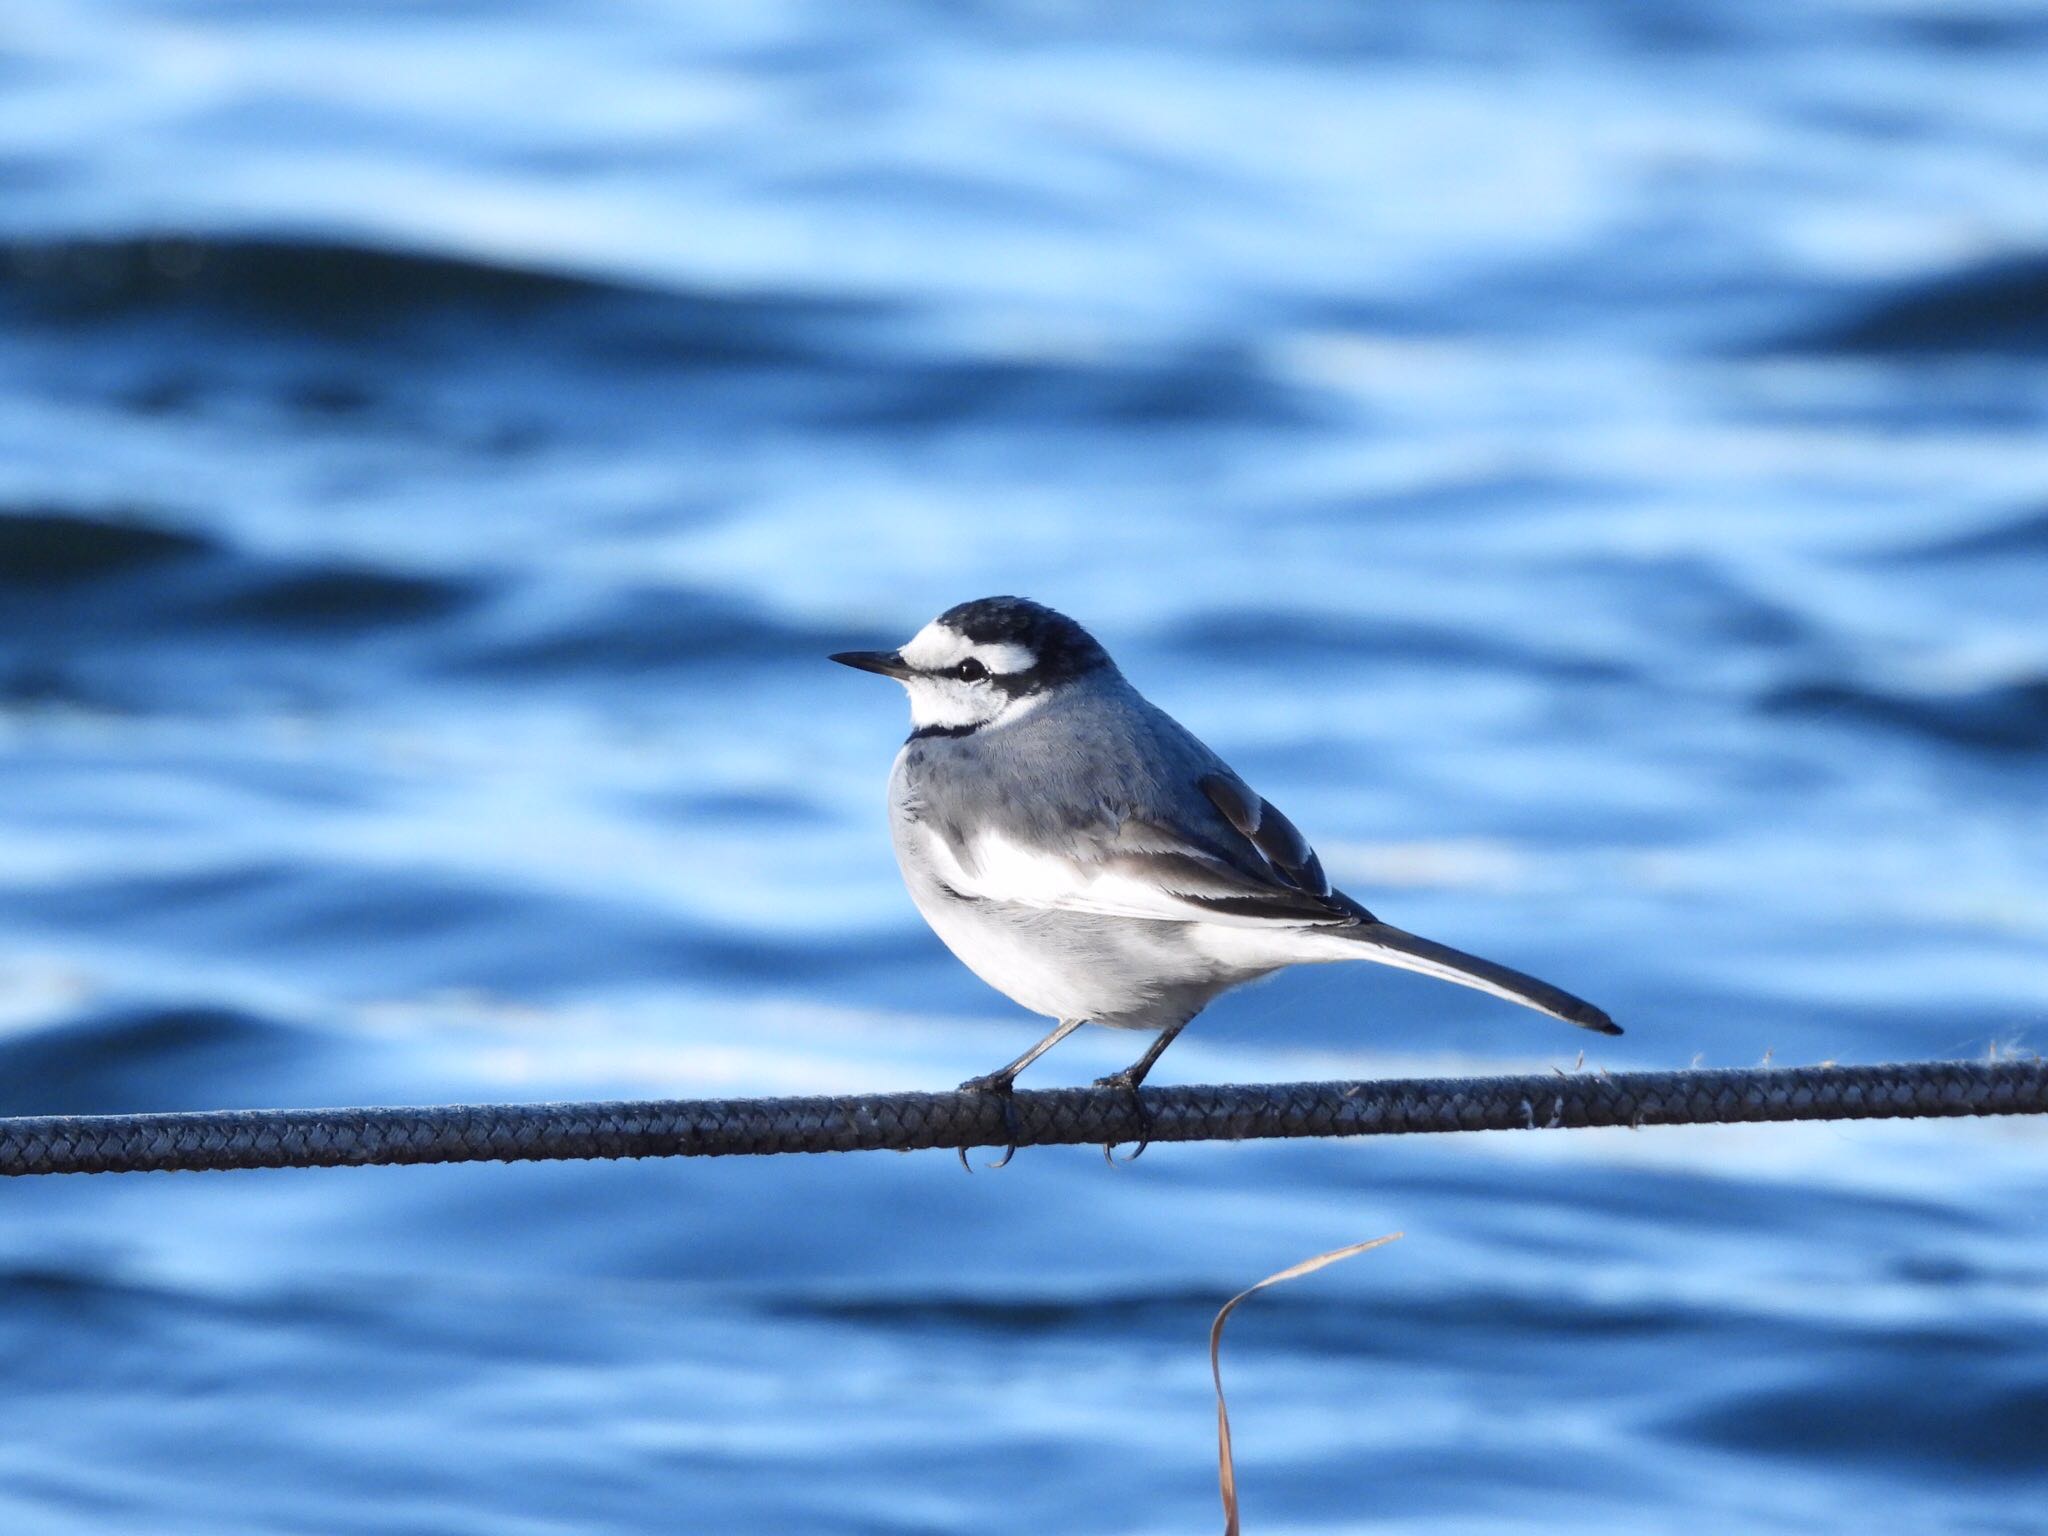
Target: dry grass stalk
(1226,1465)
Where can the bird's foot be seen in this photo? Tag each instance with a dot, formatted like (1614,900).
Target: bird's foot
(1003,1084)
(1128,1081)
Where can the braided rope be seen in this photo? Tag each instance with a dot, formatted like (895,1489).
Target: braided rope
(461,1133)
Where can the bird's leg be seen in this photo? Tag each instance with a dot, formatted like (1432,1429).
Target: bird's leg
(1004,1081)
(1128,1080)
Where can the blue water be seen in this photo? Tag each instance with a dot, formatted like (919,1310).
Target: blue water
(1587,462)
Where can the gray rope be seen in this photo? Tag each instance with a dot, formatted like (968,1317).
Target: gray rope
(463,1133)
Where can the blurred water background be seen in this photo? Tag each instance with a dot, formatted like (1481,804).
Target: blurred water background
(1588,462)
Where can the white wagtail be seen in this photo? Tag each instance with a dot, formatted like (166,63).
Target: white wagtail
(1081,852)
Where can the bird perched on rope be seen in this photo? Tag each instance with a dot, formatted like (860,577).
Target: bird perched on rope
(1081,852)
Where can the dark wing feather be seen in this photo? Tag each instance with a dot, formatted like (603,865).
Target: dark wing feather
(1278,841)
(1287,876)
(1129,838)
(1216,878)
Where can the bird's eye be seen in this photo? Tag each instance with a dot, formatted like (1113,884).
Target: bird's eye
(970,671)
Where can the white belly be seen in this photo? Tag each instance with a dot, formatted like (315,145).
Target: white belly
(1126,971)
(1024,964)
(1131,973)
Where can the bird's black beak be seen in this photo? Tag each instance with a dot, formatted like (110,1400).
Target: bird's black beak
(888,663)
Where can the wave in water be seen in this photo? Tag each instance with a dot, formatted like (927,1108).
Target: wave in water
(1995,308)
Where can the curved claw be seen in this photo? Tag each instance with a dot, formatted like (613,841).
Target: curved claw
(1139,1112)
(1003,1084)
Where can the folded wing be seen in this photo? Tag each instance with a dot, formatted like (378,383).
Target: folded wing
(1248,866)
(1238,861)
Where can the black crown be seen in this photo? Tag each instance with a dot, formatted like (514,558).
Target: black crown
(1063,648)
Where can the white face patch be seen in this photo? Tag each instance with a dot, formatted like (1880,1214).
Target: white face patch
(946,703)
(935,647)
(938,702)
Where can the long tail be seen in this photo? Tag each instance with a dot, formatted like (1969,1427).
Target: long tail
(1396,946)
